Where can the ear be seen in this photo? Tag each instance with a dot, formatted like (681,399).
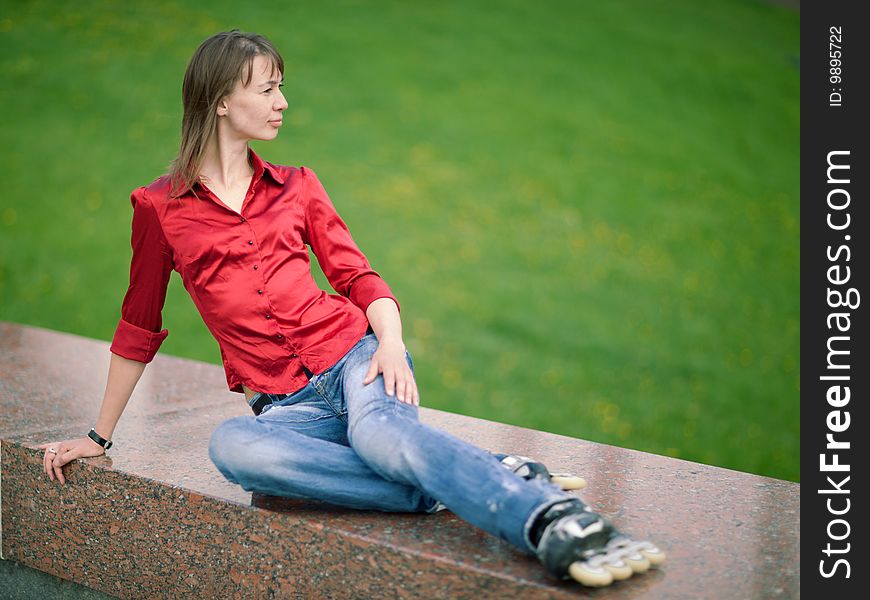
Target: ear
(222,108)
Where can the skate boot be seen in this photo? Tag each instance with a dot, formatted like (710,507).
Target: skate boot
(530,469)
(573,542)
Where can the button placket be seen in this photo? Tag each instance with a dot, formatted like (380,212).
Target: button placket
(261,291)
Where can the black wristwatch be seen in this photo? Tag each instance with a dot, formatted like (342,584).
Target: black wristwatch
(106,444)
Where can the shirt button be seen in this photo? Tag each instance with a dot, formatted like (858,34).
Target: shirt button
(243,219)
(279,336)
(256,267)
(250,242)
(294,355)
(259,291)
(268,316)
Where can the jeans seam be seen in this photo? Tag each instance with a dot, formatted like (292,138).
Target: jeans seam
(318,418)
(325,398)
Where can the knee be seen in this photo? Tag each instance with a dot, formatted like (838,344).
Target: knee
(380,438)
(226,448)
(373,421)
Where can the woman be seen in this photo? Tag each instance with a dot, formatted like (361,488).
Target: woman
(327,376)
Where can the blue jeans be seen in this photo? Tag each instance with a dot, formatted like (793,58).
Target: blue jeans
(349,444)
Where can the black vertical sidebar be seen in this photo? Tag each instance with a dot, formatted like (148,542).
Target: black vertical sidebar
(835,299)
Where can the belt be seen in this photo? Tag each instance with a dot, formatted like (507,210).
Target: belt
(266,399)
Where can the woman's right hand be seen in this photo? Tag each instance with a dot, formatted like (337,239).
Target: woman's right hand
(58,454)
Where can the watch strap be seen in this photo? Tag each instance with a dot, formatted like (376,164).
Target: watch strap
(106,444)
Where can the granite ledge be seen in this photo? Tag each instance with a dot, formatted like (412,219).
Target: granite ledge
(168,525)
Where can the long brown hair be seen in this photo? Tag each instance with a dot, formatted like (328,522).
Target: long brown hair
(216,66)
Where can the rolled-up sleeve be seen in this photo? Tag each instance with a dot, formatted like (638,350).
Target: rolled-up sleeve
(341,260)
(138,334)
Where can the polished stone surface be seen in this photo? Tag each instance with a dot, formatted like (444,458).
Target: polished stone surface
(154,518)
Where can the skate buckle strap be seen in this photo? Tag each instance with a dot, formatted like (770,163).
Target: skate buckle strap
(526,467)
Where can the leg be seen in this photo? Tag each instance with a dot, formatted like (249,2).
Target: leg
(471,482)
(528,468)
(298,448)
(574,542)
(535,515)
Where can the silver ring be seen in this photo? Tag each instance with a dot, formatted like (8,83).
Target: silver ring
(53,450)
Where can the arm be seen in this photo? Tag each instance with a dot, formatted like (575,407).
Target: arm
(345,266)
(123,376)
(350,275)
(137,336)
(389,358)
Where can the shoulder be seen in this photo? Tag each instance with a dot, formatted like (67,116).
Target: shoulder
(309,177)
(158,186)
(153,193)
(285,174)
(301,178)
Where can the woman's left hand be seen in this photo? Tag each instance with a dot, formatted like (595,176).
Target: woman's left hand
(389,359)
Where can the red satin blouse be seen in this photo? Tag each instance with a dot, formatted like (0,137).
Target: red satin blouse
(249,276)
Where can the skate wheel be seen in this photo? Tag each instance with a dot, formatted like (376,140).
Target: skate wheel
(654,556)
(590,576)
(619,570)
(568,482)
(638,563)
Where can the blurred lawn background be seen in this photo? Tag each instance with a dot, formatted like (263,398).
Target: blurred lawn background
(588,210)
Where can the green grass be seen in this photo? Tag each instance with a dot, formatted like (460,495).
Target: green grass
(589,211)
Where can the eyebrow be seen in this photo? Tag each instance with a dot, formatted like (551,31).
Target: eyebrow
(272,82)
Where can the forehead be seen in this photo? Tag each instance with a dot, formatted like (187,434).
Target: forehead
(263,70)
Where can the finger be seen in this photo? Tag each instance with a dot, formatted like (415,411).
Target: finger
(49,459)
(69,456)
(46,464)
(401,384)
(63,457)
(401,387)
(58,471)
(406,381)
(415,393)
(372,373)
(410,387)
(389,381)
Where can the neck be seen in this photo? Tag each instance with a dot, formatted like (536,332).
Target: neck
(226,162)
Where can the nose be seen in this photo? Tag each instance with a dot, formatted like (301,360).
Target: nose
(280,101)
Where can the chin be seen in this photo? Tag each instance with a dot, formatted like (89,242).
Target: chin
(265,136)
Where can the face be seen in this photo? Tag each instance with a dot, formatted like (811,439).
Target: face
(253,112)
